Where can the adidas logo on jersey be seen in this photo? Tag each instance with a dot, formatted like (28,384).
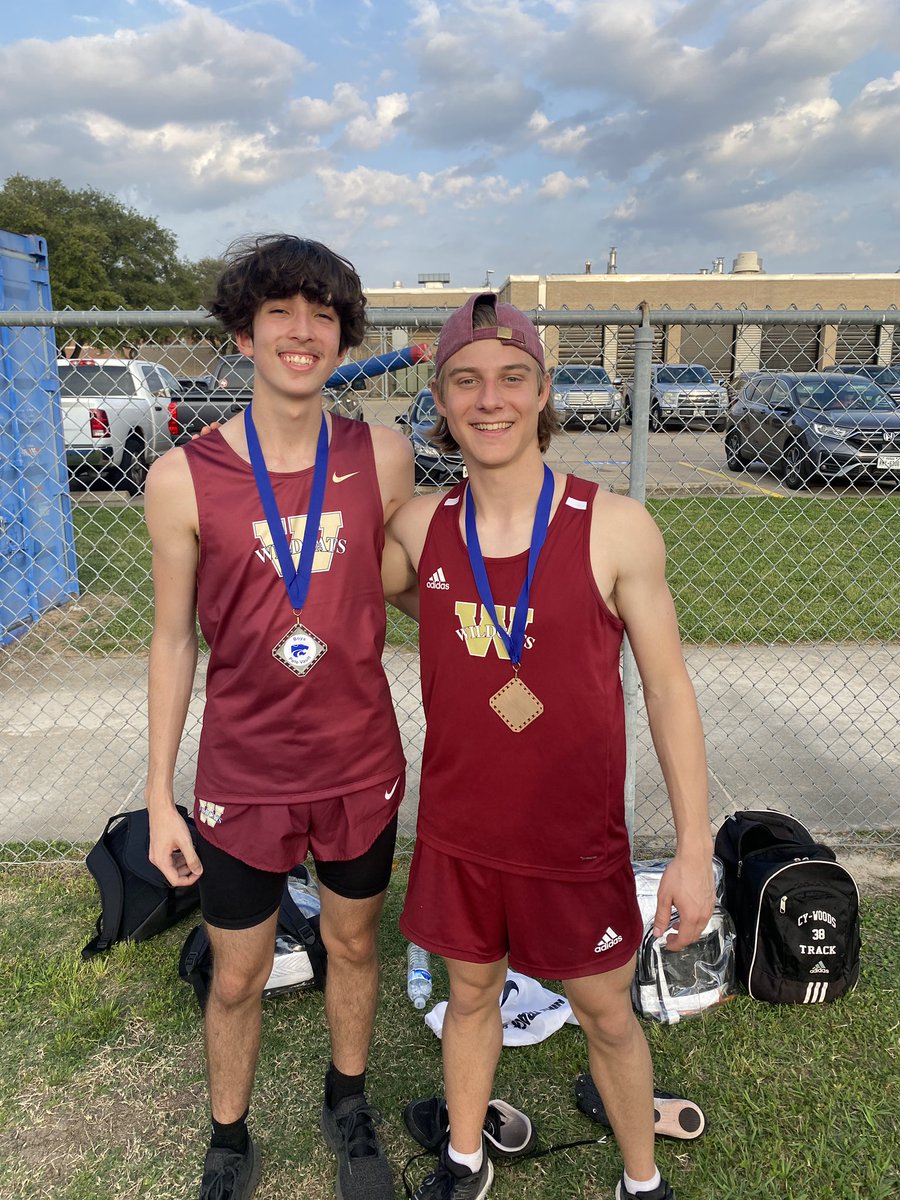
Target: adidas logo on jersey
(819,969)
(609,939)
(438,581)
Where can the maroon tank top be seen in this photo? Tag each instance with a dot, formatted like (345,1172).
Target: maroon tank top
(552,796)
(269,736)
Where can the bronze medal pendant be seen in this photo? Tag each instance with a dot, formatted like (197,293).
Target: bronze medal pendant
(299,650)
(516,705)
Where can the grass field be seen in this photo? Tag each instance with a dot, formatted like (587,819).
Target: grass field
(750,570)
(102,1092)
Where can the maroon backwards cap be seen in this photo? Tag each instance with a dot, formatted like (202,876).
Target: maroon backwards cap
(512,328)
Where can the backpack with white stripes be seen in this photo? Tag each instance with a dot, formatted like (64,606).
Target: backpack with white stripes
(795,910)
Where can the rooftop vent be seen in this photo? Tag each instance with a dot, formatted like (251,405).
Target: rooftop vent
(747,262)
(434,279)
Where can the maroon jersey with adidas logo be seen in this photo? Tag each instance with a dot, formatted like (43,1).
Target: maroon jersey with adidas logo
(268,735)
(552,795)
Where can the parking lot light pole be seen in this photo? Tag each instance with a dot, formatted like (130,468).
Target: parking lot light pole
(637,488)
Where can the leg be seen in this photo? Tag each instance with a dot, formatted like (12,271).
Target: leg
(472,1040)
(350,932)
(351,893)
(620,1062)
(242,960)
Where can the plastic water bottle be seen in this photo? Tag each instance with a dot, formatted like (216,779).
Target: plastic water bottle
(418,975)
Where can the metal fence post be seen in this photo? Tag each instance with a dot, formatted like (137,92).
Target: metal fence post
(637,488)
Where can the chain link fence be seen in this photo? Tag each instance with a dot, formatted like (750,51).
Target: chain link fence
(772,469)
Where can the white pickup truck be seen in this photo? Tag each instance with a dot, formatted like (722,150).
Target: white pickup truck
(118,416)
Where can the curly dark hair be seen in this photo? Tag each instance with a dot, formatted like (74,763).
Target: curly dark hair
(278,265)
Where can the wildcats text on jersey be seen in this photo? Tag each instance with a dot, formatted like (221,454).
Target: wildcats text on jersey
(328,544)
(479,635)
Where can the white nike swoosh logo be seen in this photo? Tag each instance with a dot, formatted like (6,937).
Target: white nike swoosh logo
(387,795)
(341,478)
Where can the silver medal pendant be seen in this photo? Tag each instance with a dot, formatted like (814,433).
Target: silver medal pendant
(299,650)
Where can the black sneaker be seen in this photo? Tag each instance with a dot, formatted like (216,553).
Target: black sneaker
(673,1116)
(452,1181)
(228,1175)
(509,1132)
(363,1172)
(662,1192)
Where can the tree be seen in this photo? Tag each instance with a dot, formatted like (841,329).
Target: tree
(102,253)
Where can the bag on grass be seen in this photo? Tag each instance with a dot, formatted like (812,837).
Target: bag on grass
(670,985)
(301,960)
(795,909)
(137,901)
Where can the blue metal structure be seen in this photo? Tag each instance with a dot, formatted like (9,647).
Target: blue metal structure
(37,550)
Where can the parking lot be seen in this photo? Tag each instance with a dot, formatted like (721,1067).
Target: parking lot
(679,461)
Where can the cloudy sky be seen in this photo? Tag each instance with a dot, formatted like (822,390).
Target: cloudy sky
(511,136)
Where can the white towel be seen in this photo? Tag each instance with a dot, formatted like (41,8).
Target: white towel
(530,1012)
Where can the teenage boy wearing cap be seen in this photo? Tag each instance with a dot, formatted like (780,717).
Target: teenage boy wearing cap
(527,581)
(300,747)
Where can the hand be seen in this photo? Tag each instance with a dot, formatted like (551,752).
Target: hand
(172,848)
(206,429)
(687,885)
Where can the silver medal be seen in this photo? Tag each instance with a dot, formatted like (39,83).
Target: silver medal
(299,650)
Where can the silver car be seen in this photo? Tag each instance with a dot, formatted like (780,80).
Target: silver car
(584,394)
(681,393)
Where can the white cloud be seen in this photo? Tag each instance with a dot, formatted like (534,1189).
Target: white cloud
(350,195)
(315,115)
(557,137)
(370,131)
(558,185)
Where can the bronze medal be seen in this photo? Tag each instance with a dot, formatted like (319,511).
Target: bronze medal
(516,705)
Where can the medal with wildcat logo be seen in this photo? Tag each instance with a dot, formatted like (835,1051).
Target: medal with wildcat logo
(299,650)
(515,703)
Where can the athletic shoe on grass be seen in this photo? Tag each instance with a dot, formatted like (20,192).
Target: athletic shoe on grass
(662,1192)
(508,1132)
(674,1117)
(363,1172)
(452,1181)
(228,1175)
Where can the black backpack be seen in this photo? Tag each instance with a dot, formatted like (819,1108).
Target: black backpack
(795,910)
(301,960)
(136,899)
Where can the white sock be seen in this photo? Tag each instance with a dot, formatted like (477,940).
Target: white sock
(472,1161)
(635,1185)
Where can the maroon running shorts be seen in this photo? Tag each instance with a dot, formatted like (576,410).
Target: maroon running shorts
(275,837)
(553,929)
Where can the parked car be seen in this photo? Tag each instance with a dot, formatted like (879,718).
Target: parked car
(584,394)
(681,393)
(118,416)
(228,389)
(815,424)
(887,378)
(434,467)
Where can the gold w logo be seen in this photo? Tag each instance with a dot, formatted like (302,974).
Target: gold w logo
(295,527)
(480,634)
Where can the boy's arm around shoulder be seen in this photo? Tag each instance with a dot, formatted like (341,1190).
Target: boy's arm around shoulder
(642,599)
(394,467)
(404,538)
(170,511)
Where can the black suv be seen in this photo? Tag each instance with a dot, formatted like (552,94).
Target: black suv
(815,424)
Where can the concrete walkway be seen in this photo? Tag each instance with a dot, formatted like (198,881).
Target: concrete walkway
(814,731)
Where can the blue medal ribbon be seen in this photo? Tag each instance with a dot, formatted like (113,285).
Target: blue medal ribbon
(295,580)
(514,640)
